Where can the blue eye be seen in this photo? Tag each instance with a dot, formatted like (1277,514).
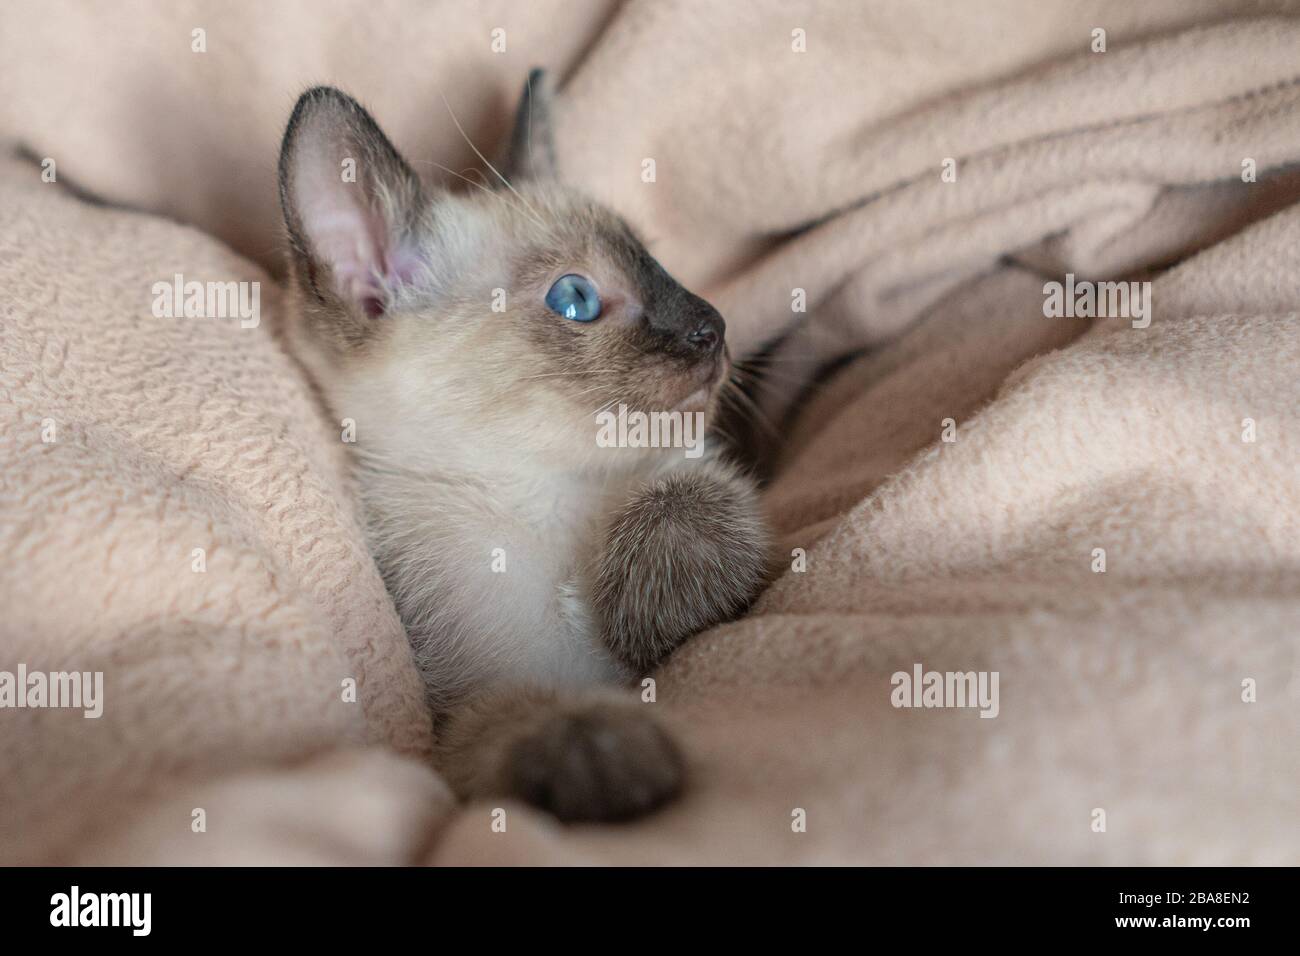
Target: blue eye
(574,297)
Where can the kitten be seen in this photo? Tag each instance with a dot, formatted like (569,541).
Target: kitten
(473,339)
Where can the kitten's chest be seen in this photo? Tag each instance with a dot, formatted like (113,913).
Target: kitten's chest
(516,543)
(499,574)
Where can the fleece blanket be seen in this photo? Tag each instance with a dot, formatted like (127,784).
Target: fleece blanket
(1102,510)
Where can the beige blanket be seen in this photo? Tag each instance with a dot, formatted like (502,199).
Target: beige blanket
(175,510)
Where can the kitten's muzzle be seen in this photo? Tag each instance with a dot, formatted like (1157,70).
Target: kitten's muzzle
(693,331)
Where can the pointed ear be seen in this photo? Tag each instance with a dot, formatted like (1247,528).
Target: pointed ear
(350,205)
(532,148)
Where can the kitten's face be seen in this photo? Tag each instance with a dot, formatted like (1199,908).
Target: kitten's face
(518,314)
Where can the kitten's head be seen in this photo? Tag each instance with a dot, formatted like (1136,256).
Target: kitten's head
(514,313)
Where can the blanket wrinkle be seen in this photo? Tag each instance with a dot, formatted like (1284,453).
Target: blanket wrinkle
(1105,515)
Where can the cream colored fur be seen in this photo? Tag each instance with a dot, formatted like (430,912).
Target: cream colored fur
(1120,691)
(486,495)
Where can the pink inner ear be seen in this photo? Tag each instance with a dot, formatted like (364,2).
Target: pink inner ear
(352,239)
(403,264)
(352,242)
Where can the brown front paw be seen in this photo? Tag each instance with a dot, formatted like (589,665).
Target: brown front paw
(602,762)
(687,552)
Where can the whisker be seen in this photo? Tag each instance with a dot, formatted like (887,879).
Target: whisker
(757,378)
(597,371)
(745,405)
(465,136)
(473,182)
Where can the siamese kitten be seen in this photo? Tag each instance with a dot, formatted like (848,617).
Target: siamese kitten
(473,338)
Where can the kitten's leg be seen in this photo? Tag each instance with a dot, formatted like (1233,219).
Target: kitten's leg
(688,551)
(591,756)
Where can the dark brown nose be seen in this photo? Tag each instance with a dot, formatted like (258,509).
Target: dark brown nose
(683,325)
(706,337)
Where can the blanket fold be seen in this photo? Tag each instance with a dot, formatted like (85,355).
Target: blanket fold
(1102,510)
